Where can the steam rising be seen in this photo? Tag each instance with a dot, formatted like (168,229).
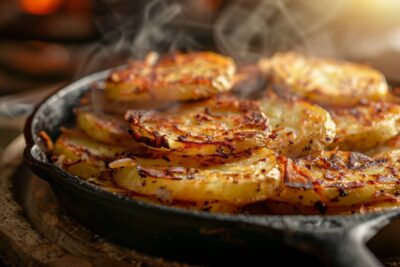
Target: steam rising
(245,30)
(132,39)
(247,33)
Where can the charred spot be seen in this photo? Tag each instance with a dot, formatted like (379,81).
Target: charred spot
(318,182)
(336,162)
(358,161)
(342,192)
(182,138)
(321,207)
(160,140)
(258,189)
(335,199)
(207,209)
(273,135)
(326,163)
(141,172)
(224,151)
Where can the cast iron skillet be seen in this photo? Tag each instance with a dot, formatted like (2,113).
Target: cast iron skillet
(193,236)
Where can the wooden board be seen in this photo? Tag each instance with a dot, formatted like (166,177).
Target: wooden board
(36,231)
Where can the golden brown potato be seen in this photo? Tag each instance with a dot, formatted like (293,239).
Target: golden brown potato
(366,125)
(83,157)
(175,77)
(105,128)
(389,152)
(298,127)
(253,176)
(222,125)
(335,179)
(390,145)
(326,81)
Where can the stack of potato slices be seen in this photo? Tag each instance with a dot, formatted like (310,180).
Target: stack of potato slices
(170,130)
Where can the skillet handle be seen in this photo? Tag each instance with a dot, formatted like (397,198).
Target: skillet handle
(343,246)
(344,250)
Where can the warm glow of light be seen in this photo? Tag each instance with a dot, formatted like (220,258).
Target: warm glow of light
(40,7)
(379,5)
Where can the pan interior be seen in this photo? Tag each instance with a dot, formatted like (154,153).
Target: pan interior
(56,111)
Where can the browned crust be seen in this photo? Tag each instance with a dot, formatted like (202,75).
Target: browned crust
(247,120)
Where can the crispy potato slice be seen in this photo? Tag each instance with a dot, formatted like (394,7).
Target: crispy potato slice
(83,157)
(105,128)
(222,125)
(240,180)
(389,152)
(332,179)
(298,127)
(175,77)
(326,81)
(390,145)
(366,125)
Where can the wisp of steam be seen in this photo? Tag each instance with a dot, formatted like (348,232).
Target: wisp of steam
(242,29)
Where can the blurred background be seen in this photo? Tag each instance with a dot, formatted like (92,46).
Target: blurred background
(45,44)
